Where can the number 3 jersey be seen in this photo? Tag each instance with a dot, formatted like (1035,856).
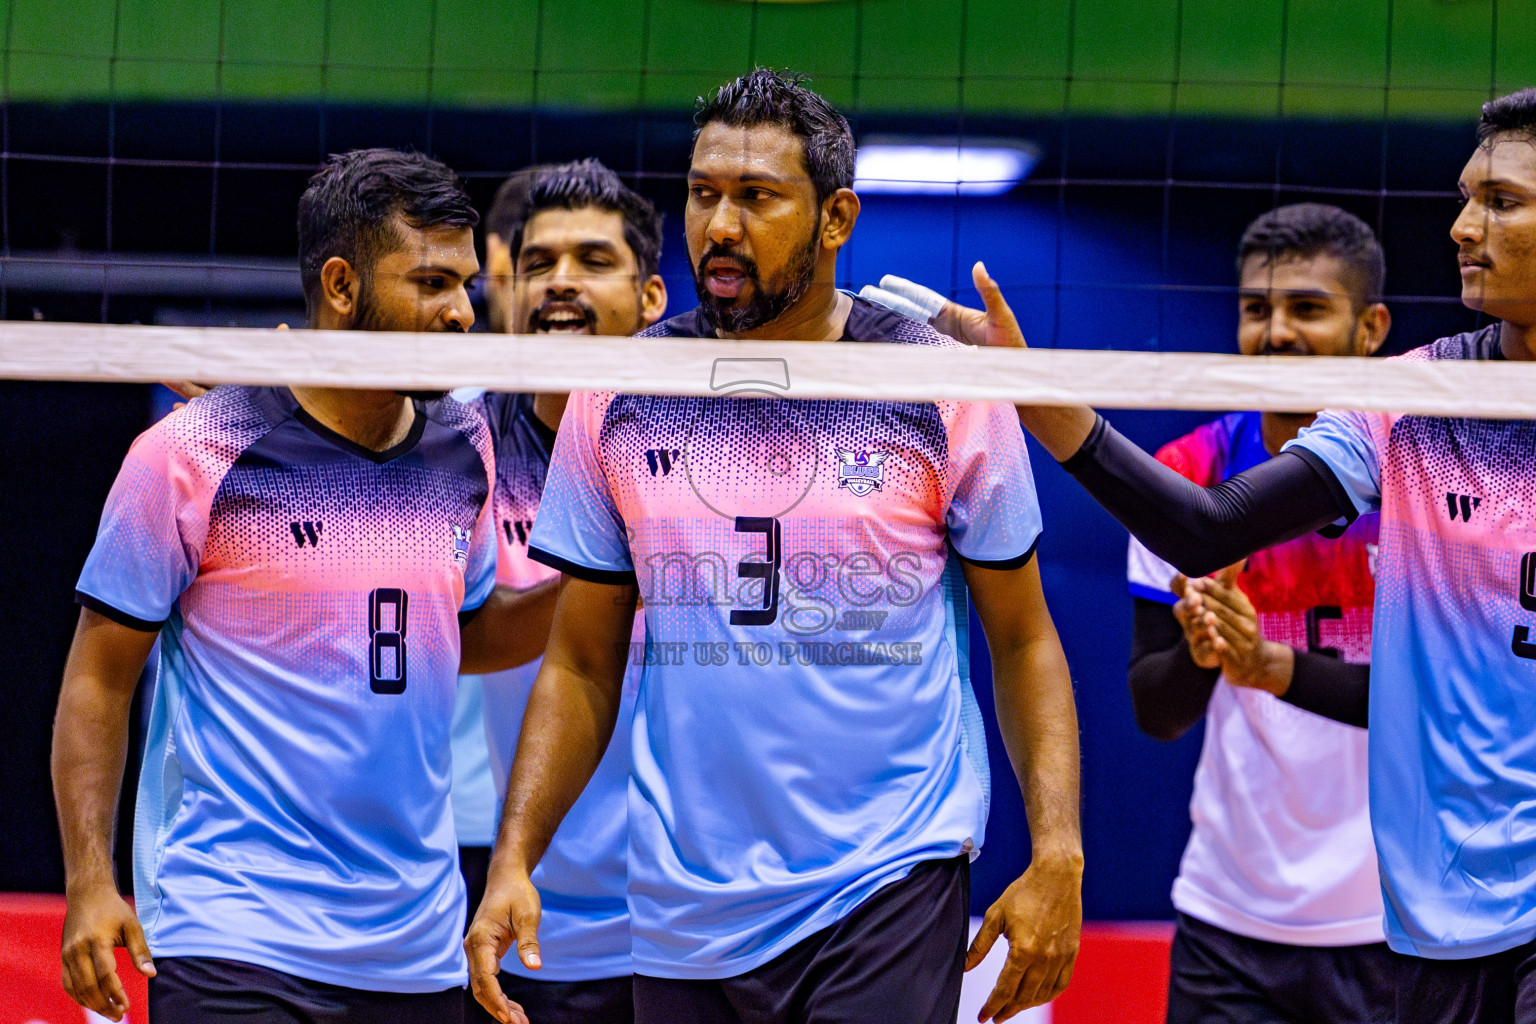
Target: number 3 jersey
(804,734)
(1453,666)
(1280,848)
(293,805)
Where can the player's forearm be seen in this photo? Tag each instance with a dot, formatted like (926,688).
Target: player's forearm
(1330,687)
(566,728)
(1203,529)
(1037,715)
(1169,692)
(90,743)
(510,629)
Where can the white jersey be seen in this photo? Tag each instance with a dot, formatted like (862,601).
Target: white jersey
(1281,847)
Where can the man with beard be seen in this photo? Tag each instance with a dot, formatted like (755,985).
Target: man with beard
(318,563)
(586,252)
(809,778)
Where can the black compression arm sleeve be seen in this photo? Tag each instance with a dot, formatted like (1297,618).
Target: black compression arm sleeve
(1168,690)
(1203,529)
(1329,687)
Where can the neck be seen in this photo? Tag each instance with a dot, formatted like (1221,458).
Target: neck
(549,408)
(374,419)
(1517,341)
(820,315)
(1280,427)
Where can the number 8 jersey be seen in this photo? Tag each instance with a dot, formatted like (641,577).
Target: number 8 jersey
(293,804)
(803,733)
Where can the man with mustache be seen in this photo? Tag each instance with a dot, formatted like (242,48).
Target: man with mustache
(318,564)
(586,250)
(1278,897)
(1452,658)
(809,782)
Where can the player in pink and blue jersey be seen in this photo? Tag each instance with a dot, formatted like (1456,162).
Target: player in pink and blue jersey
(318,564)
(809,780)
(1452,659)
(586,250)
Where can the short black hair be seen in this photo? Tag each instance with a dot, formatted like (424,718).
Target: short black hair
(510,207)
(1305,230)
(1513,113)
(781,98)
(346,209)
(584,183)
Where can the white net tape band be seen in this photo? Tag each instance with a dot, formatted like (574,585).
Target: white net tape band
(1111,380)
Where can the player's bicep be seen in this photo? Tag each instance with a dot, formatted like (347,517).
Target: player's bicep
(1010,604)
(107,654)
(591,631)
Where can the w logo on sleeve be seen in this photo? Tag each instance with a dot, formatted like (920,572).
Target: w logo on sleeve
(306,531)
(1466,504)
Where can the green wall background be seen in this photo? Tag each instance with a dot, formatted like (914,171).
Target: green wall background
(1334,58)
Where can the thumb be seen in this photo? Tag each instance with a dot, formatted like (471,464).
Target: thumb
(282,327)
(1003,325)
(525,925)
(1228,576)
(1179,584)
(986,935)
(138,948)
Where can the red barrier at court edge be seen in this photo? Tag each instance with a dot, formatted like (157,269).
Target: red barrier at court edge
(30,989)
(1121,976)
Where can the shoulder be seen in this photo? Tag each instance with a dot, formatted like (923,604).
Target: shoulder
(685,325)
(1481,344)
(216,427)
(869,322)
(466,419)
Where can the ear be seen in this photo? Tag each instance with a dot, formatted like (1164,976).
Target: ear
(1372,327)
(839,212)
(338,288)
(498,255)
(653,299)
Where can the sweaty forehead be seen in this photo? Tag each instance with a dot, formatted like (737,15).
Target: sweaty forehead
(443,246)
(1509,158)
(762,152)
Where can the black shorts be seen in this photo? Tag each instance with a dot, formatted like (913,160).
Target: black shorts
(204,990)
(1495,989)
(474,865)
(603,1001)
(897,958)
(1216,977)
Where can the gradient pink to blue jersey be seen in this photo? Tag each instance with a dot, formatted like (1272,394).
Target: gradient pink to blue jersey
(803,733)
(1453,763)
(293,803)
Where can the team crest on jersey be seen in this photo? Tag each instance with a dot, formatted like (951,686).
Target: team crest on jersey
(861,472)
(460,546)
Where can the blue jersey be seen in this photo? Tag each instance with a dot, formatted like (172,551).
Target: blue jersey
(1452,764)
(584,930)
(803,734)
(293,805)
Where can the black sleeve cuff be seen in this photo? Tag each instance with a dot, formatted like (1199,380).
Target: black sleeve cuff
(1002,564)
(1340,496)
(1086,450)
(122,618)
(613,577)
